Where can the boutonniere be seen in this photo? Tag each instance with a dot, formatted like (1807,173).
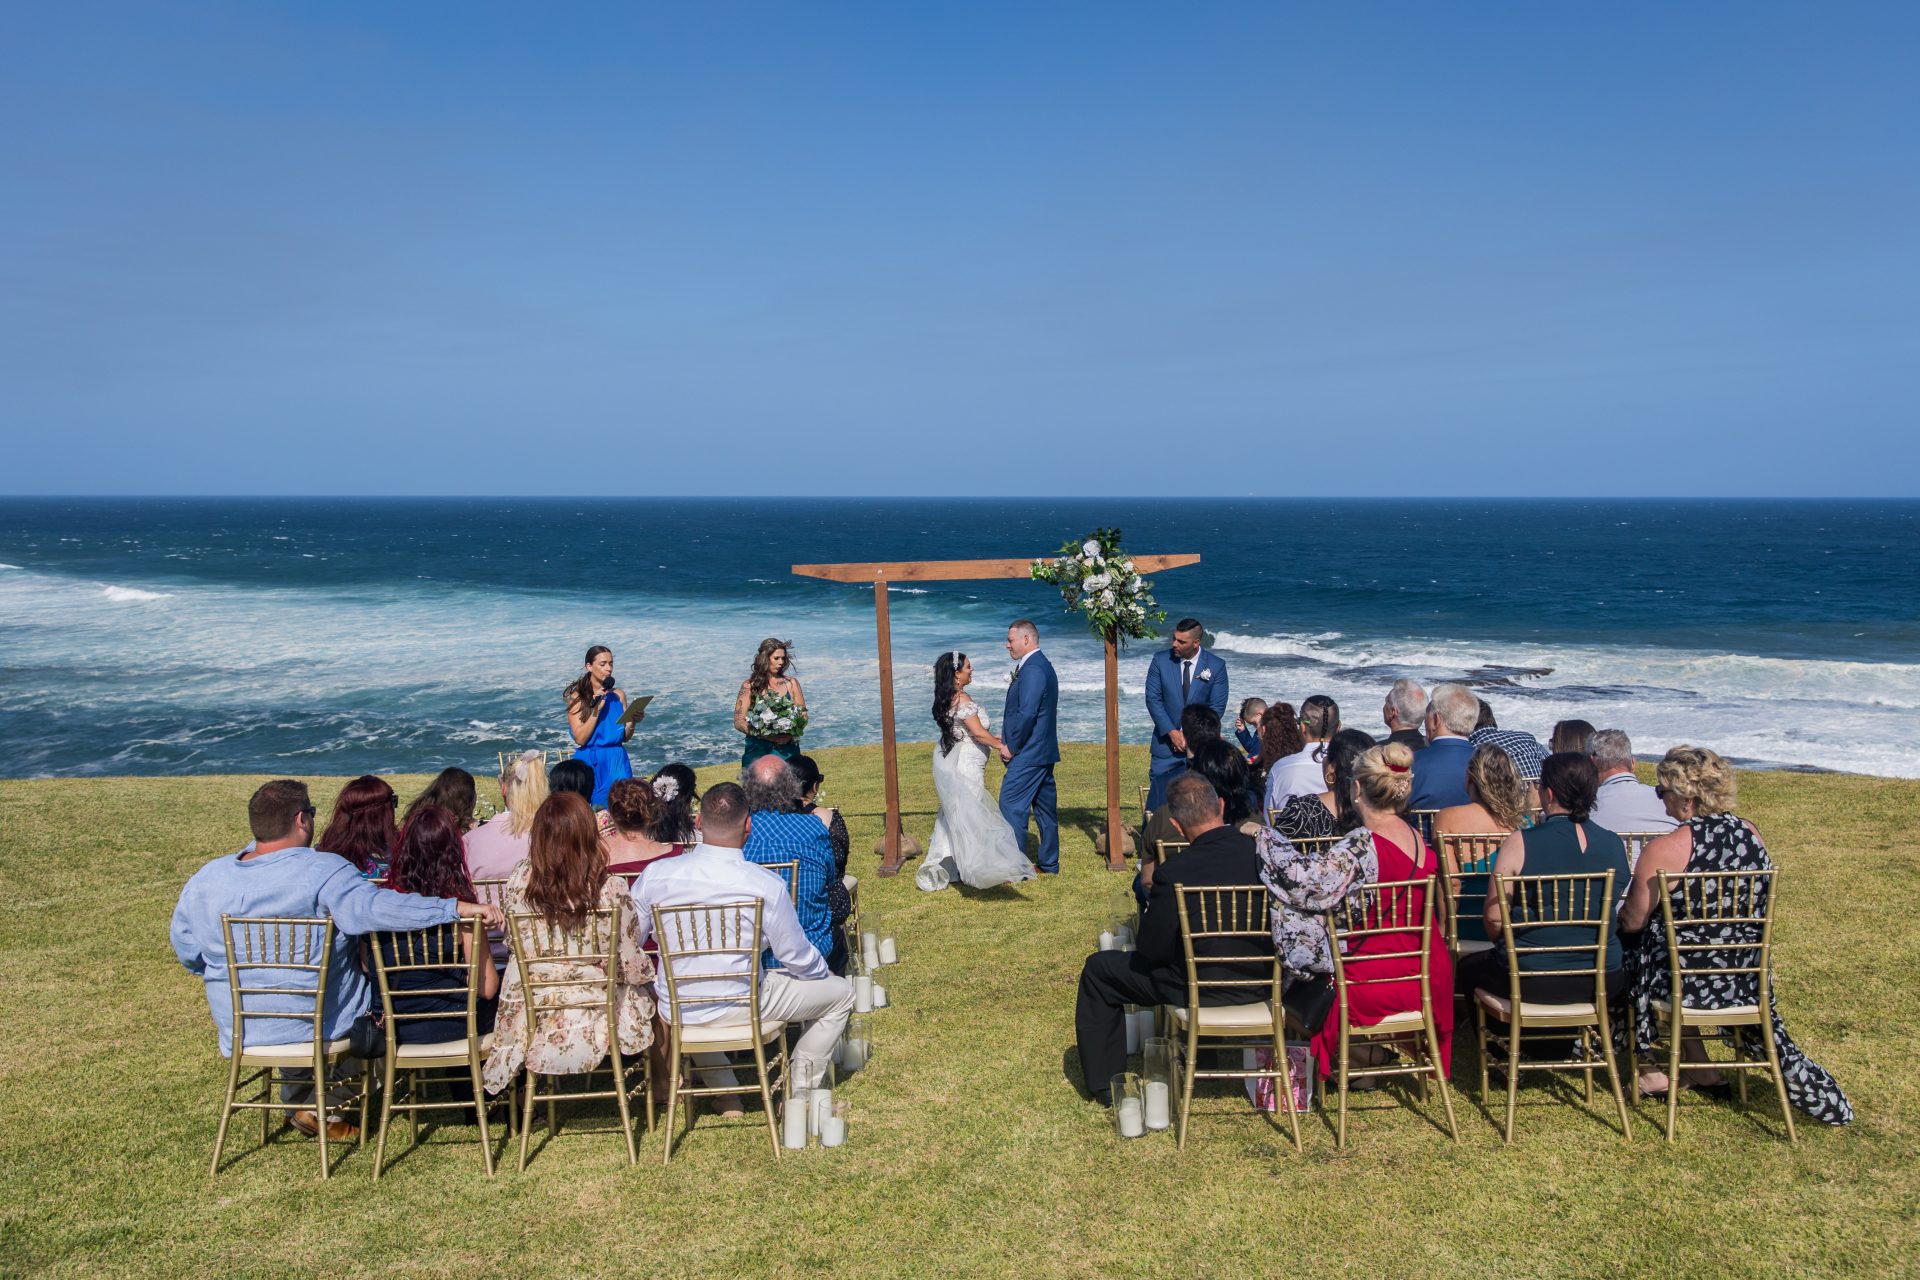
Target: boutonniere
(1206,673)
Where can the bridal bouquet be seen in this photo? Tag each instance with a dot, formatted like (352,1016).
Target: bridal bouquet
(773,714)
(1097,579)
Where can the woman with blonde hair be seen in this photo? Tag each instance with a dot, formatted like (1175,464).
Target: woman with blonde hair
(772,674)
(1305,885)
(498,845)
(1699,789)
(564,881)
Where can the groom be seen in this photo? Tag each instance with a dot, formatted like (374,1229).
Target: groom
(1032,747)
(1178,676)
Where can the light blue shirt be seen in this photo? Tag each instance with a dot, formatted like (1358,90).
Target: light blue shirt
(291,882)
(1627,804)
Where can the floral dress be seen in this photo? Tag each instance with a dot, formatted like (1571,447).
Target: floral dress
(573,1039)
(1305,818)
(1723,842)
(1307,883)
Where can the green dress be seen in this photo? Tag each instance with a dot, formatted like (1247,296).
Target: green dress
(757,746)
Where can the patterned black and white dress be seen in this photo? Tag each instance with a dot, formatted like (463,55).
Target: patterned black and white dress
(1305,818)
(1724,842)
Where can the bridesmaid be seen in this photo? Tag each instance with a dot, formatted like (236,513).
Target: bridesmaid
(594,708)
(771,667)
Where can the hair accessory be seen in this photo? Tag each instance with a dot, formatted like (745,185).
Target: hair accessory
(666,788)
(953,656)
(1400,768)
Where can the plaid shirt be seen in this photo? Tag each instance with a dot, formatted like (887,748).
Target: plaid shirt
(1522,748)
(801,838)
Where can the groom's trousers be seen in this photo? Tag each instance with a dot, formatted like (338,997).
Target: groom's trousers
(1028,789)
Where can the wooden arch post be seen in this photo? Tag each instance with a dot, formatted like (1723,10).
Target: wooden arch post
(882,573)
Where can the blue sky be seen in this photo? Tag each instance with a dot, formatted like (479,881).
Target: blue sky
(1033,248)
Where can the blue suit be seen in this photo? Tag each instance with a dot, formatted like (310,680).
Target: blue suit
(1029,729)
(1164,704)
(1440,774)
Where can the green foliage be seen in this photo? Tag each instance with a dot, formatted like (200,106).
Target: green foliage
(1097,580)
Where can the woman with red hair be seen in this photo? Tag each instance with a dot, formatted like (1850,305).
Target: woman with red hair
(431,860)
(361,828)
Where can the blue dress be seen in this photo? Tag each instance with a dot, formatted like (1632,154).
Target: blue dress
(604,752)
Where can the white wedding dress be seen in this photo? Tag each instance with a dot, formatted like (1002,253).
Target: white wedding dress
(971,842)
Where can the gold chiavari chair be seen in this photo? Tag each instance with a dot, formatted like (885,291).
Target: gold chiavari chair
(1465,862)
(706,950)
(1236,924)
(789,872)
(1422,821)
(277,972)
(492,891)
(1386,910)
(570,969)
(1315,845)
(1164,849)
(1145,813)
(435,953)
(1530,907)
(1730,912)
(1636,842)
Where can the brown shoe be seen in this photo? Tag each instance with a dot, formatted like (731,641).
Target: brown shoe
(337,1130)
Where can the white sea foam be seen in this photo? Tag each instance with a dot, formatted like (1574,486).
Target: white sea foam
(131,595)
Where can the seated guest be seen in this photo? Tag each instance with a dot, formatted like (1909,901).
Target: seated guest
(634,808)
(1496,806)
(1279,740)
(1575,736)
(280,874)
(802,991)
(572,775)
(1198,724)
(1699,789)
(1440,771)
(676,822)
(361,828)
(498,845)
(1300,773)
(1566,842)
(1404,711)
(1307,883)
(1223,769)
(563,881)
(429,861)
(1625,803)
(1246,727)
(1156,971)
(781,833)
(811,780)
(1524,748)
(1326,813)
(452,789)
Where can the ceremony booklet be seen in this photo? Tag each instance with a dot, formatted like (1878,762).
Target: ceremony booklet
(635,708)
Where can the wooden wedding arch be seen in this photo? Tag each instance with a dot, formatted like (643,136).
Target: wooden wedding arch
(881,573)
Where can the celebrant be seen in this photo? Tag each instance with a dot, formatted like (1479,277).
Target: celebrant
(597,717)
(771,710)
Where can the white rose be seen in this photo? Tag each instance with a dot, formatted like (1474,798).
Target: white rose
(1136,586)
(1106,597)
(1090,549)
(1126,566)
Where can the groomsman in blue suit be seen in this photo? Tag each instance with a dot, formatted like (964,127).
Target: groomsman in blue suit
(1177,676)
(1032,745)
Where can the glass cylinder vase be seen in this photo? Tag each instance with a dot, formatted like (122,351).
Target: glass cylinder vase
(1129,1108)
(1156,1082)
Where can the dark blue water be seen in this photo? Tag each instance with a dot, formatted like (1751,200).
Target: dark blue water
(327,635)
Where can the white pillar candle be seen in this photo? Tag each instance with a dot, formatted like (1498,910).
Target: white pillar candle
(1132,1124)
(1159,1105)
(1133,1032)
(833,1132)
(889,953)
(863,994)
(869,940)
(793,1127)
(855,1054)
(870,957)
(819,1110)
(1106,939)
(1143,1026)
(879,996)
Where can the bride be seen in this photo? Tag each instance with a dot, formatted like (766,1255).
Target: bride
(971,842)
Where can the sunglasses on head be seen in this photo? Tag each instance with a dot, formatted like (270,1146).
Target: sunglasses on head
(1660,793)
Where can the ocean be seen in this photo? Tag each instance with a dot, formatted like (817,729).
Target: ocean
(336,636)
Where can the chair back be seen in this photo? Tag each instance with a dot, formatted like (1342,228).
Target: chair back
(492,891)
(434,950)
(1164,849)
(790,872)
(562,968)
(1465,860)
(1636,842)
(277,970)
(1222,915)
(1387,909)
(1315,845)
(706,948)
(1532,905)
(1422,821)
(1729,912)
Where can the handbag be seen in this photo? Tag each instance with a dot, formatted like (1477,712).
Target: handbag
(367,1037)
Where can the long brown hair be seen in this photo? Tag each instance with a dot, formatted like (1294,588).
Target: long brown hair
(361,828)
(565,864)
(1279,734)
(763,665)
(582,690)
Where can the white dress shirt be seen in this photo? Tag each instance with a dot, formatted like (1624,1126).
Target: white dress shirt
(708,875)
(1299,774)
(1627,804)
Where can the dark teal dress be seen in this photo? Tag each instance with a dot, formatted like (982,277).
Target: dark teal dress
(757,746)
(605,752)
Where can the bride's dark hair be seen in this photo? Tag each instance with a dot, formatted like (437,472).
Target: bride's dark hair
(943,668)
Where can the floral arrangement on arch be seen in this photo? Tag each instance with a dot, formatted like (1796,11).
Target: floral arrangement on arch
(1097,580)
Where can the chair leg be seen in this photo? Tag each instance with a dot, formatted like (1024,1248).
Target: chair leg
(526,1120)
(1440,1078)
(620,1100)
(1513,1071)
(673,1094)
(366,1098)
(1779,1078)
(1286,1086)
(646,1081)
(766,1098)
(1675,1035)
(1604,1035)
(1587,1053)
(479,1111)
(266,1116)
(1480,1034)
(226,1111)
(386,1118)
(1340,1133)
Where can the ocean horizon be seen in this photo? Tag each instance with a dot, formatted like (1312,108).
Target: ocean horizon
(323,635)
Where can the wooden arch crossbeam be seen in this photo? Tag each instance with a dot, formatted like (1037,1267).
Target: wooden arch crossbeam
(881,573)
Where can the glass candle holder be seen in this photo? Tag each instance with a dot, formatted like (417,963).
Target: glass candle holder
(856,1046)
(793,1114)
(1129,1108)
(1123,933)
(1156,1081)
(833,1126)
(870,929)
(1132,1015)
(863,993)
(889,945)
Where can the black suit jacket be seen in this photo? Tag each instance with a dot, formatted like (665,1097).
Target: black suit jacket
(1412,737)
(1221,856)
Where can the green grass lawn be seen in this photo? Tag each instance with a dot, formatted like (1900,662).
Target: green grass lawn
(970,1153)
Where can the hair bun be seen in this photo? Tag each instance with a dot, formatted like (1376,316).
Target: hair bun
(1397,756)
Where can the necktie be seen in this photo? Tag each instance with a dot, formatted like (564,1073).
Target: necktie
(1186,678)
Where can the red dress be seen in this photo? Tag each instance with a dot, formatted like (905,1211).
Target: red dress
(1375,1001)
